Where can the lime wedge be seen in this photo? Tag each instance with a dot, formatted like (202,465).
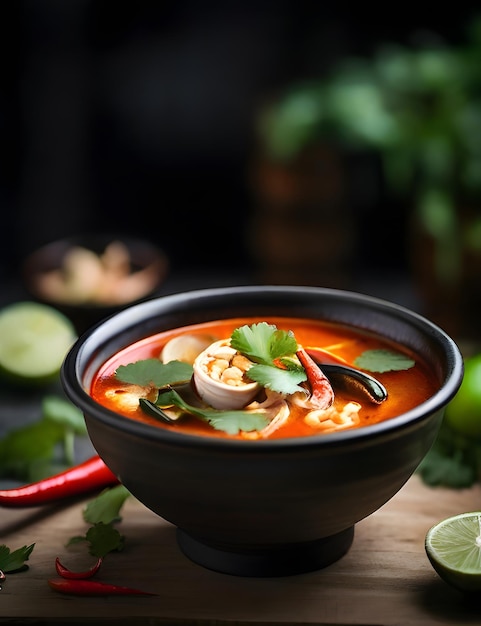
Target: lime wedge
(34,340)
(453,547)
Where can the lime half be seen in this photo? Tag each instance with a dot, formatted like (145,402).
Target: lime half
(453,547)
(34,340)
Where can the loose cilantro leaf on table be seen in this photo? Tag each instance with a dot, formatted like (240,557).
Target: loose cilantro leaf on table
(106,506)
(103,539)
(14,561)
(153,372)
(383,361)
(102,513)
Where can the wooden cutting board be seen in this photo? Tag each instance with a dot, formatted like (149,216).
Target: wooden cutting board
(385,579)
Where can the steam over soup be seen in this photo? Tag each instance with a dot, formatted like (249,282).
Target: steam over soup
(252,378)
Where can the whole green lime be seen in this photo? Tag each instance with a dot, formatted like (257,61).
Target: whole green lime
(463,413)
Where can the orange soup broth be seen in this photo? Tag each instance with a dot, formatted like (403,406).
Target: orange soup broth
(406,389)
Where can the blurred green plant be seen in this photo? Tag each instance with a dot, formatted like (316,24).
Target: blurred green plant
(419,108)
(44,447)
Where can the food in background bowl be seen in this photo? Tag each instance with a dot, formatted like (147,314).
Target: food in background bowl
(91,276)
(265,506)
(104,278)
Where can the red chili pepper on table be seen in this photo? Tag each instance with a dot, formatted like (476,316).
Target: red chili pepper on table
(322,394)
(88,476)
(93,588)
(67,573)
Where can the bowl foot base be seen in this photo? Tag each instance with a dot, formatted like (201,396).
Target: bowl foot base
(284,560)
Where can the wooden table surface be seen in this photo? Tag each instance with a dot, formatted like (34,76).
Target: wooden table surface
(385,579)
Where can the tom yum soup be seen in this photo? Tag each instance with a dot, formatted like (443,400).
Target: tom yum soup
(250,378)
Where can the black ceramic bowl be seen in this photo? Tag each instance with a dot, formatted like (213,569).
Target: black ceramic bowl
(53,276)
(265,507)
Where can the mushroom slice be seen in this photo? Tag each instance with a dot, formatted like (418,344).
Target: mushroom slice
(220,377)
(127,398)
(185,348)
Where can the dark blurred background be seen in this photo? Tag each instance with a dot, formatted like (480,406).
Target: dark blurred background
(139,117)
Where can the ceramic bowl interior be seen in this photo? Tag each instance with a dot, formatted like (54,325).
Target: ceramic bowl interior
(267,507)
(138,257)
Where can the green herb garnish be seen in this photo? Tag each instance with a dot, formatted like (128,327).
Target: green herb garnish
(14,561)
(284,381)
(263,342)
(27,453)
(454,460)
(103,539)
(106,506)
(152,372)
(230,422)
(102,513)
(272,350)
(383,361)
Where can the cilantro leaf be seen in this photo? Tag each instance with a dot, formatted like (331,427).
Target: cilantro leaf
(26,452)
(104,538)
(383,361)
(440,468)
(267,346)
(14,561)
(153,372)
(263,342)
(29,452)
(65,413)
(230,422)
(70,418)
(453,460)
(106,506)
(102,512)
(281,380)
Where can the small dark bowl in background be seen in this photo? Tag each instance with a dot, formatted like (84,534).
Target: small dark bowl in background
(146,261)
(267,507)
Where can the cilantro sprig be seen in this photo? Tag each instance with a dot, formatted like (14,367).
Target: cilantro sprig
(263,342)
(14,561)
(272,351)
(230,422)
(102,513)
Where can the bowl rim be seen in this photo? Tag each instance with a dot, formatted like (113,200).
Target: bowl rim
(71,374)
